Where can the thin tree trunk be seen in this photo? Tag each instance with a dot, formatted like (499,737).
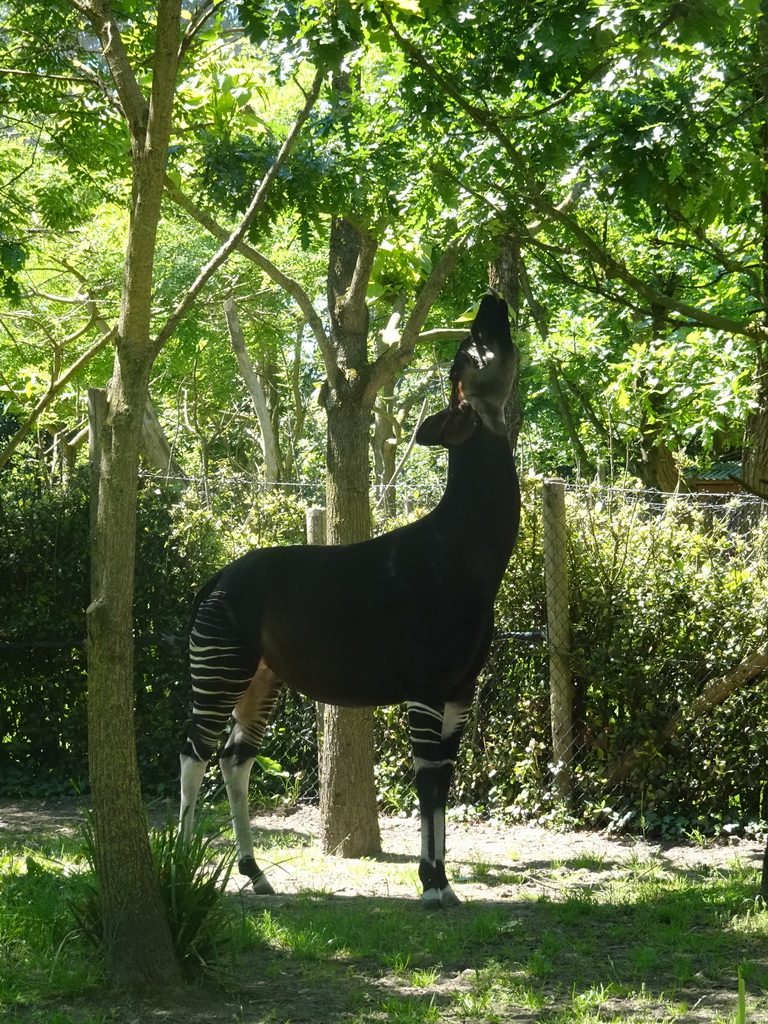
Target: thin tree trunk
(754,470)
(504,277)
(656,464)
(138,946)
(255,390)
(755,463)
(155,448)
(136,935)
(137,938)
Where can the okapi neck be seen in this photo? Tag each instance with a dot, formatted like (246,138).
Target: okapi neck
(482,481)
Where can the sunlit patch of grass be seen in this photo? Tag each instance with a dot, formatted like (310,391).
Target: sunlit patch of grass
(407,1010)
(587,861)
(423,978)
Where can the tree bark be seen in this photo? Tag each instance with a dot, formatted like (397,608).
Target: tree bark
(555,544)
(136,935)
(754,469)
(349,815)
(348,807)
(348,826)
(656,464)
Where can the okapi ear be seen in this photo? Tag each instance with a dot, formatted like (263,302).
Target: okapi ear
(448,428)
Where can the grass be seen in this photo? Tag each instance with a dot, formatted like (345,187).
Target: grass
(573,943)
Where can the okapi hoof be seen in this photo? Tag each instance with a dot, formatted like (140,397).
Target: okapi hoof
(439,899)
(259,882)
(260,885)
(448,897)
(431,899)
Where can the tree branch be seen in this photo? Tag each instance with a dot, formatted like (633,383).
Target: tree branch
(714,693)
(203,15)
(132,99)
(395,357)
(288,284)
(54,389)
(237,236)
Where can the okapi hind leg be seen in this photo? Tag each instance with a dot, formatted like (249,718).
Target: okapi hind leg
(221,672)
(251,716)
(192,774)
(435,735)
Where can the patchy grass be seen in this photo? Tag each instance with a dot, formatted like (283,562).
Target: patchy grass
(556,941)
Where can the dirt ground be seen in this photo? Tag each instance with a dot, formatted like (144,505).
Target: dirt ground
(503,848)
(492,863)
(517,849)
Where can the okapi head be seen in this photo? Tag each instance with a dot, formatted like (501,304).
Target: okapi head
(481,379)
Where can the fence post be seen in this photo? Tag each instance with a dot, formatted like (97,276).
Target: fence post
(315,525)
(559,635)
(316,535)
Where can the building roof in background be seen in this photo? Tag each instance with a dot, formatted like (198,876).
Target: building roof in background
(720,471)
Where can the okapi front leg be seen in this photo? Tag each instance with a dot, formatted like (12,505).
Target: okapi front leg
(435,736)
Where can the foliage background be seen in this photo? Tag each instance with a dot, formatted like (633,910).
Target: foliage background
(667,592)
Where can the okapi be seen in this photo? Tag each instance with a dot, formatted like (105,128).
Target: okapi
(405,617)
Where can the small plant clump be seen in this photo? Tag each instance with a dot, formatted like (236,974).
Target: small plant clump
(193,876)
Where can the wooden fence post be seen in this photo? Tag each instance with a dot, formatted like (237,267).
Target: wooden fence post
(316,535)
(315,525)
(559,635)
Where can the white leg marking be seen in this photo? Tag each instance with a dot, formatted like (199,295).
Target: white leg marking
(236,780)
(431,899)
(192,773)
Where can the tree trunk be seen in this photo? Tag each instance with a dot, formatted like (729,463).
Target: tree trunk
(155,448)
(256,391)
(385,441)
(348,828)
(349,813)
(656,466)
(754,469)
(504,277)
(350,825)
(137,938)
(349,515)
(136,935)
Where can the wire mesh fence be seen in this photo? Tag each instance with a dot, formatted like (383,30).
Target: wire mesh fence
(644,707)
